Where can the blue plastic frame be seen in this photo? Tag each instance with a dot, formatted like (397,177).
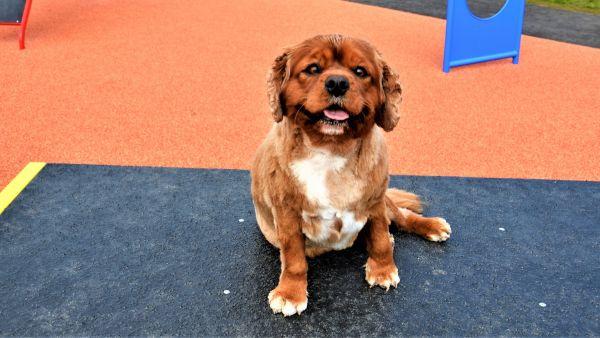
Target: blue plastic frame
(471,39)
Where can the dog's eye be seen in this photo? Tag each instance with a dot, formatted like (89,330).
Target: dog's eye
(360,71)
(313,68)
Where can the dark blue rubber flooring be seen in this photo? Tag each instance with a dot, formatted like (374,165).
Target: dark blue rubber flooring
(96,250)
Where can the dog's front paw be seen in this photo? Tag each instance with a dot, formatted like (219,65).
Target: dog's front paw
(438,230)
(286,302)
(382,275)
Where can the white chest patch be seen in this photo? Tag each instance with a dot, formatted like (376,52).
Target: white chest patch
(312,173)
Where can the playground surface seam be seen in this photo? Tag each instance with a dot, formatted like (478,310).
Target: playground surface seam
(14,187)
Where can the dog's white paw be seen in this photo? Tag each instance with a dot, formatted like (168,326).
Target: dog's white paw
(385,276)
(279,303)
(441,230)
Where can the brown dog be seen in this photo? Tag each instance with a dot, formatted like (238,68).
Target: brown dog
(321,175)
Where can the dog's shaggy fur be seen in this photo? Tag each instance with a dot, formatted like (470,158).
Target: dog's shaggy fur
(321,175)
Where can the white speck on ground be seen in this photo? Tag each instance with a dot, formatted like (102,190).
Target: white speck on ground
(542,304)
(226,292)
(240,220)
(501,229)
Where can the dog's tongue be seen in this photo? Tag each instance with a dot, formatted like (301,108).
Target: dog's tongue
(339,115)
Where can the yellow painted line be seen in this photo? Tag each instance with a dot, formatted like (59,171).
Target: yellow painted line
(14,188)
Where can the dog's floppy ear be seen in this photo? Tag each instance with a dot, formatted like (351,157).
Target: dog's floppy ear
(276,78)
(388,112)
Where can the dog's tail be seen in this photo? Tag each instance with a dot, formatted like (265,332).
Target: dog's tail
(395,199)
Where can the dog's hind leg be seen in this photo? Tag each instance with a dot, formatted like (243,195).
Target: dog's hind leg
(403,212)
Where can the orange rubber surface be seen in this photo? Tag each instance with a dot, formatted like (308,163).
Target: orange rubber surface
(182,83)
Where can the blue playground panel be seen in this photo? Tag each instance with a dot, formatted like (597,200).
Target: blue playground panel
(470,39)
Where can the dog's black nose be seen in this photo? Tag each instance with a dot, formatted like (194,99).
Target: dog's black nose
(337,85)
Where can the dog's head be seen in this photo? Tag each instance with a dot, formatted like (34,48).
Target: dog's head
(334,87)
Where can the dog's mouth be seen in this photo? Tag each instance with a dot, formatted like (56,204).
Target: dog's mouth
(333,120)
(335,114)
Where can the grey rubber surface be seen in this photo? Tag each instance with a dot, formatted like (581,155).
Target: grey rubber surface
(93,250)
(548,23)
(11,10)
